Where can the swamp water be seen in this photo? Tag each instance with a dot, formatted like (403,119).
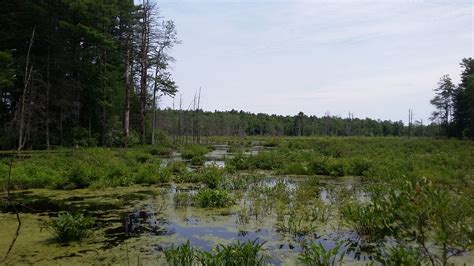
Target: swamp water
(135,224)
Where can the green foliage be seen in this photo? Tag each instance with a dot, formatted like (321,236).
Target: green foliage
(198,160)
(183,255)
(183,199)
(318,255)
(70,227)
(81,168)
(296,224)
(213,198)
(192,150)
(236,254)
(212,176)
(401,255)
(237,162)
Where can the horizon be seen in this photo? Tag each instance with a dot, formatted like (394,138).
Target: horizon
(279,57)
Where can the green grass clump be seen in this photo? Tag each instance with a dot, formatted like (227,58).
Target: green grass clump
(318,255)
(192,150)
(237,253)
(198,160)
(182,255)
(71,227)
(183,199)
(212,176)
(213,198)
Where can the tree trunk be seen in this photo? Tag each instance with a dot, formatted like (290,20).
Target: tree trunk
(26,81)
(128,85)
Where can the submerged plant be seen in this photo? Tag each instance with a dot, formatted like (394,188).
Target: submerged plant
(318,255)
(71,227)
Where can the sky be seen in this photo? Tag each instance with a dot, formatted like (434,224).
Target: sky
(374,59)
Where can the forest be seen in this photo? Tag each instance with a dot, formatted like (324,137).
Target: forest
(91,73)
(94,170)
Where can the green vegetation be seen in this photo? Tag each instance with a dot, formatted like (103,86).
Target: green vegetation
(97,167)
(189,151)
(213,198)
(237,253)
(70,227)
(317,255)
(403,200)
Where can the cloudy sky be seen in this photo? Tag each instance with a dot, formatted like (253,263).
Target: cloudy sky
(372,58)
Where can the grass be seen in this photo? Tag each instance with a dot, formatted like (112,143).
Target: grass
(318,255)
(69,227)
(213,198)
(237,253)
(416,191)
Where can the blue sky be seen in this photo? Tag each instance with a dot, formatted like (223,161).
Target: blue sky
(372,58)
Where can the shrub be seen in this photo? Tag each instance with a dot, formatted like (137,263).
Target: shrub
(295,168)
(198,160)
(359,166)
(213,198)
(191,150)
(183,199)
(212,176)
(71,227)
(237,163)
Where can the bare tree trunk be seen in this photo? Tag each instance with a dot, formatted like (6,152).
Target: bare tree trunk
(126,110)
(144,65)
(26,81)
(197,118)
(155,89)
(48,88)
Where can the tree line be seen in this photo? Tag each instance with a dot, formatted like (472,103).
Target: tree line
(454,104)
(81,69)
(89,72)
(190,125)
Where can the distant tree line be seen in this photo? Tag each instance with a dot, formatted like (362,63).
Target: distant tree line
(454,104)
(182,125)
(81,72)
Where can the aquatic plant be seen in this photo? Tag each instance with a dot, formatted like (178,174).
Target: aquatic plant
(400,255)
(70,227)
(237,253)
(297,224)
(189,151)
(183,199)
(212,176)
(182,255)
(198,160)
(213,198)
(318,255)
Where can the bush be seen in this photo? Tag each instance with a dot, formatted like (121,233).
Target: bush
(213,198)
(198,160)
(212,176)
(237,163)
(71,227)
(191,150)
